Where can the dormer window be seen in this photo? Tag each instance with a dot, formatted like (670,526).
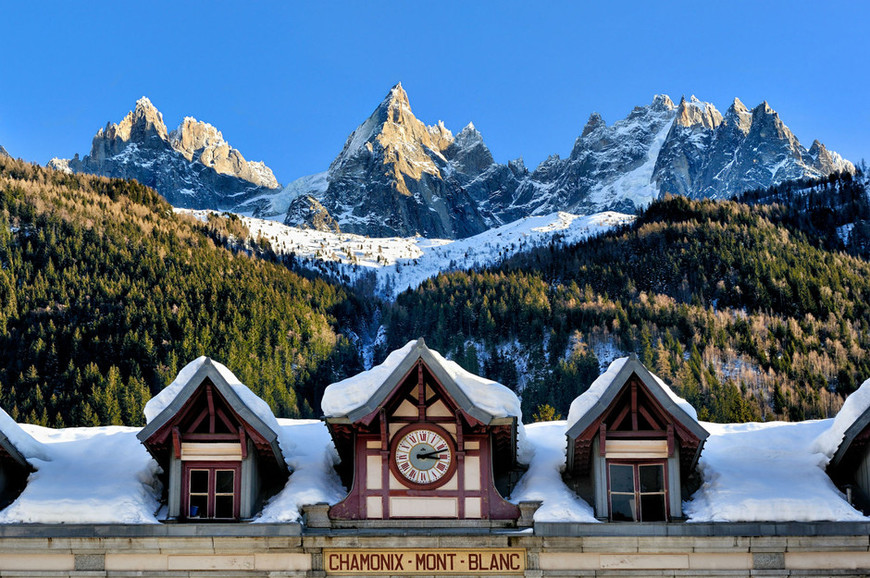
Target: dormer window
(221,455)
(632,446)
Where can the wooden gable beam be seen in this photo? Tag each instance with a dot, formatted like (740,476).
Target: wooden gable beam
(211,414)
(176,442)
(634,426)
(243,439)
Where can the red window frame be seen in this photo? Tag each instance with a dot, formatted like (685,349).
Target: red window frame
(212,468)
(637,493)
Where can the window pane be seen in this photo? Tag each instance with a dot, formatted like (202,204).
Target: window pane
(622,508)
(621,478)
(652,507)
(199,481)
(652,478)
(198,507)
(223,507)
(224,483)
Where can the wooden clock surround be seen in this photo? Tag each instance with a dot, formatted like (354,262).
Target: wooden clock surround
(420,395)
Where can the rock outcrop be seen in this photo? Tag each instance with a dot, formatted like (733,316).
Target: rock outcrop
(393,178)
(192,167)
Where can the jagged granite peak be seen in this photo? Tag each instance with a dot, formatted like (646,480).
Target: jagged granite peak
(738,116)
(749,149)
(660,148)
(468,153)
(594,123)
(3,152)
(609,166)
(200,141)
(393,177)
(695,112)
(192,167)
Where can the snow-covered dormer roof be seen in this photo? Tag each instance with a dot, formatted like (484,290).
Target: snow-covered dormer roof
(356,397)
(852,419)
(586,410)
(163,407)
(18,444)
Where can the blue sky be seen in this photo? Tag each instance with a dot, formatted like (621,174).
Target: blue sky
(287,82)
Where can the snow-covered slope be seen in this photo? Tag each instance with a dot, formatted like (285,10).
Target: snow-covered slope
(395,264)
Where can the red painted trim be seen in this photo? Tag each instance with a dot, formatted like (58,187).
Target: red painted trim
(212,467)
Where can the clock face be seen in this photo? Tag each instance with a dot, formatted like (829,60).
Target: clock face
(424,456)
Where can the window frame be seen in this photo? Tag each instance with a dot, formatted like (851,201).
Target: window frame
(635,465)
(212,468)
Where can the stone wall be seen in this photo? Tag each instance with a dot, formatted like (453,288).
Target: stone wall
(715,550)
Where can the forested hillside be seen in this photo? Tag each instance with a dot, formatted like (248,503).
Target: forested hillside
(833,211)
(749,319)
(105,293)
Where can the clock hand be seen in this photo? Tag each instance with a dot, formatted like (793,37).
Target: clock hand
(430,455)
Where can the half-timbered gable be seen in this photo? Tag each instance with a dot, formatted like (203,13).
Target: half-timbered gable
(631,446)
(211,437)
(417,445)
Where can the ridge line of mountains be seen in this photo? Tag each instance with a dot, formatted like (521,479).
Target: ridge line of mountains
(396,176)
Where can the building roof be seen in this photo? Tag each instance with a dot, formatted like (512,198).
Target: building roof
(358,396)
(592,404)
(161,409)
(17,444)
(852,419)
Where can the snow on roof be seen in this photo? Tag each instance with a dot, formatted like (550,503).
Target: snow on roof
(588,399)
(311,454)
(855,406)
(88,475)
(543,480)
(343,397)
(766,472)
(346,396)
(28,447)
(162,400)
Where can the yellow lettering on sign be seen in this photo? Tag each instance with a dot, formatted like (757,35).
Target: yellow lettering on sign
(432,561)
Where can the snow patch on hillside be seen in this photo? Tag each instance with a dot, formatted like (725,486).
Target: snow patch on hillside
(397,264)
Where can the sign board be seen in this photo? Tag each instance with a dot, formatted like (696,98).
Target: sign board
(429,561)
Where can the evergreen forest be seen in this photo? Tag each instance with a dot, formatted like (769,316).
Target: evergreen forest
(746,314)
(105,293)
(753,309)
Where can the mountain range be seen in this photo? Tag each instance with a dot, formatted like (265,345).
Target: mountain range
(191,166)
(396,176)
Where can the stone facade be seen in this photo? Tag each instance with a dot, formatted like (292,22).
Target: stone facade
(791,549)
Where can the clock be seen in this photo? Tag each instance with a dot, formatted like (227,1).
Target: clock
(423,456)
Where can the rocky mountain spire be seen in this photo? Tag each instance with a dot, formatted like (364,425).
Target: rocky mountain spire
(192,167)
(391,176)
(594,123)
(3,152)
(738,116)
(200,141)
(697,113)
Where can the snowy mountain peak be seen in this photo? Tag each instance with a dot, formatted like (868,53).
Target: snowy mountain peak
(663,102)
(738,116)
(468,135)
(594,123)
(202,142)
(140,124)
(191,167)
(697,113)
